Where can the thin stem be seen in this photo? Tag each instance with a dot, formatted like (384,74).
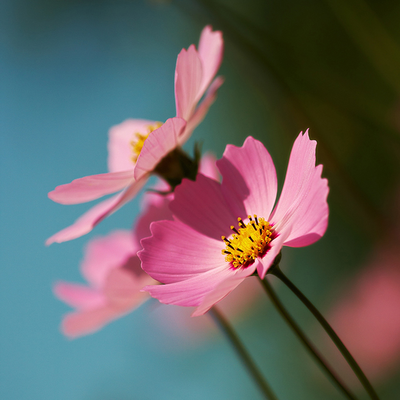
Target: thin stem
(231,335)
(276,271)
(314,352)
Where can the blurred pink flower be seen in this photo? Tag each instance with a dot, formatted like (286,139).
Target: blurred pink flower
(112,268)
(367,318)
(137,146)
(198,257)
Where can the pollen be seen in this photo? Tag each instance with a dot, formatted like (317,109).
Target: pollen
(139,139)
(248,242)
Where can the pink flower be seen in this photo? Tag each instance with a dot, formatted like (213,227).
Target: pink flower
(222,233)
(115,278)
(112,268)
(137,146)
(367,317)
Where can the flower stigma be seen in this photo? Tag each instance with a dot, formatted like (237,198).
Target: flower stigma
(247,243)
(139,139)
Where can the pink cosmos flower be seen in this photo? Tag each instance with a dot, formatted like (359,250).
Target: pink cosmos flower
(137,146)
(223,232)
(112,268)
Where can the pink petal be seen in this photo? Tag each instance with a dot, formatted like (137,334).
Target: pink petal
(201,206)
(302,204)
(91,187)
(367,318)
(249,181)
(105,253)
(175,252)
(84,322)
(96,214)
(188,78)
(156,209)
(119,143)
(224,288)
(208,167)
(211,48)
(268,259)
(159,143)
(78,296)
(191,292)
(122,289)
(201,110)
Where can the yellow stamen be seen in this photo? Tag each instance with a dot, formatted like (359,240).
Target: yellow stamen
(139,139)
(247,243)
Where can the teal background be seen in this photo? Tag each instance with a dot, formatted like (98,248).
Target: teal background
(71,69)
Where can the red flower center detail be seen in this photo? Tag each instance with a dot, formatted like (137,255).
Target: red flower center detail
(249,242)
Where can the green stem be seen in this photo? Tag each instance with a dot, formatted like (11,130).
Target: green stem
(276,271)
(314,352)
(227,329)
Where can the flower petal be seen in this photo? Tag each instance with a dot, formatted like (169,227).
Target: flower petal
(249,182)
(201,206)
(78,296)
(190,292)
(105,253)
(188,78)
(156,209)
(91,187)
(302,204)
(233,279)
(175,252)
(201,110)
(96,214)
(119,143)
(84,322)
(211,48)
(122,288)
(159,143)
(268,259)
(208,166)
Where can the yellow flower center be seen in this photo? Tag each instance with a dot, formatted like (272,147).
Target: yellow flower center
(139,139)
(247,243)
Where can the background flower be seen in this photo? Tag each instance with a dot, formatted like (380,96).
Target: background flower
(136,147)
(115,278)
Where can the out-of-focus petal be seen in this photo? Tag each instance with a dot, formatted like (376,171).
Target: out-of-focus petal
(105,253)
(84,322)
(78,296)
(302,204)
(201,110)
(233,279)
(211,49)
(96,214)
(122,289)
(249,182)
(159,143)
(175,252)
(91,187)
(208,167)
(188,78)
(119,143)
(202,206)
